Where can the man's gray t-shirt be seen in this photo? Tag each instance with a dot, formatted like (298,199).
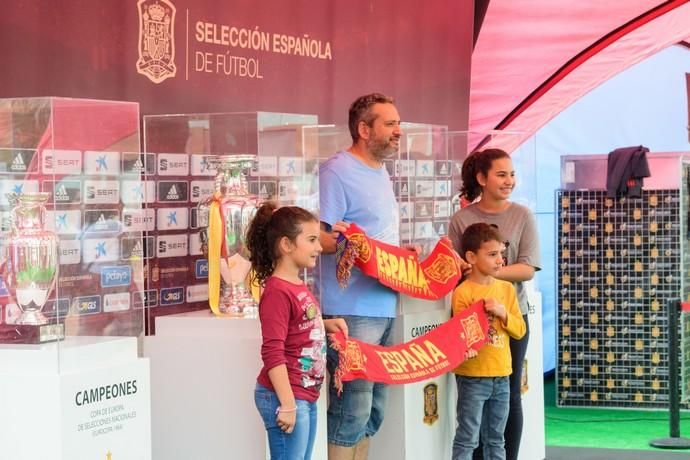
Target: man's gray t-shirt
(519,228)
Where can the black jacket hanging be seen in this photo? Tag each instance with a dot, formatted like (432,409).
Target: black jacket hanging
(626,168)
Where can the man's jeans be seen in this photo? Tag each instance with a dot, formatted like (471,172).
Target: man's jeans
(358,411)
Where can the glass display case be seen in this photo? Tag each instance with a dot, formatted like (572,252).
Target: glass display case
(80,153)
(182,150)
(220,351)
(71,271)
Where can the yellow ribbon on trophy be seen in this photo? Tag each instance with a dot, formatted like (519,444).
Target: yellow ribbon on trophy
(216,249)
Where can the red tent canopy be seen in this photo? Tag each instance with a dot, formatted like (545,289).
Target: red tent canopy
(533,58)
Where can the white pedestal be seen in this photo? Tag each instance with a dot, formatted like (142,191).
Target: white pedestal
(533,444)
(407,432)
(82,398)
(405,435)
(204,370)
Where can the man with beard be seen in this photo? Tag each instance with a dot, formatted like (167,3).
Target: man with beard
(354,186)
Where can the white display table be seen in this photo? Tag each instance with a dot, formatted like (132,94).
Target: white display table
(81,398)
(204,370)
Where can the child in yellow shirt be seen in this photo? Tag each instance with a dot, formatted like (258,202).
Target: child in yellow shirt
(483,388)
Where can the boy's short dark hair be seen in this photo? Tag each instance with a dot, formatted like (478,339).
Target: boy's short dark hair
(476,234)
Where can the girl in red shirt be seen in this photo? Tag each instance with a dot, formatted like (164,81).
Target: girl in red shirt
(283,242)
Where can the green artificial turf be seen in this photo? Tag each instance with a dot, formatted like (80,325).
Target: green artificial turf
(605,428)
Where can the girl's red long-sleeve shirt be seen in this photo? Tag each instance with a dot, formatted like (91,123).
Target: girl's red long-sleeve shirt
(293,334)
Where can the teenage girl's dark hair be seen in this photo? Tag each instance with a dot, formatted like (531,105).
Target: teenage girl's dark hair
(268,226)
(476,234)
(478,162)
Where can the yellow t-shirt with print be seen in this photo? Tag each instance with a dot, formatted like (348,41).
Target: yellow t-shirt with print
(493,359)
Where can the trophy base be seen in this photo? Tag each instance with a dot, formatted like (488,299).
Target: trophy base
(31,334)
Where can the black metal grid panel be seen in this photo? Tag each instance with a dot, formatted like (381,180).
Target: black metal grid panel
(619,262)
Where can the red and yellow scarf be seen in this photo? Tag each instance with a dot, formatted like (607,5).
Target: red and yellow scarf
(433,354)
(396,267)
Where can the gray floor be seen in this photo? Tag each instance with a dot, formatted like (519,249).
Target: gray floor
(578,453)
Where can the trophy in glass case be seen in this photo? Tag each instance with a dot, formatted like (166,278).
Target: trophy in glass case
(30,267)
(224,218)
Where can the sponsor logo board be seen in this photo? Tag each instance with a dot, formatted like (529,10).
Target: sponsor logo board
(86,305)
(101,163)
(69,252)
(138,191)
(63,191)
(137,248)
(139,220)
(173,191)
(173,164)
(201,189)
(61,162)
(101,221)
(172,296)
(100,250)
(138,163)
(145,299)
(197,293)
(172,218)
(116,276)
(64,222)
(172,246)
(119,301)
(101,192)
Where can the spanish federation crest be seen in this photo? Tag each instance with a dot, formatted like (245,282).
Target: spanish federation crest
(430,403)
(156,39)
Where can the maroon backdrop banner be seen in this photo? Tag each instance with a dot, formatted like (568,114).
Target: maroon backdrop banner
(293,56)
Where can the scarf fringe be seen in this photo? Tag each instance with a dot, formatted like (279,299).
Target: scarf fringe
(343,362)
(347,251)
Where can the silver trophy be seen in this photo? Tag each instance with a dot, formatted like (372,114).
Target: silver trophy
(237,207)
(31,264)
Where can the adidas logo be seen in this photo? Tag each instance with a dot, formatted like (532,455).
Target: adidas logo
(61,193)
(138,165)
(138,249)
(18,163)
(102,219)
(173,194)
